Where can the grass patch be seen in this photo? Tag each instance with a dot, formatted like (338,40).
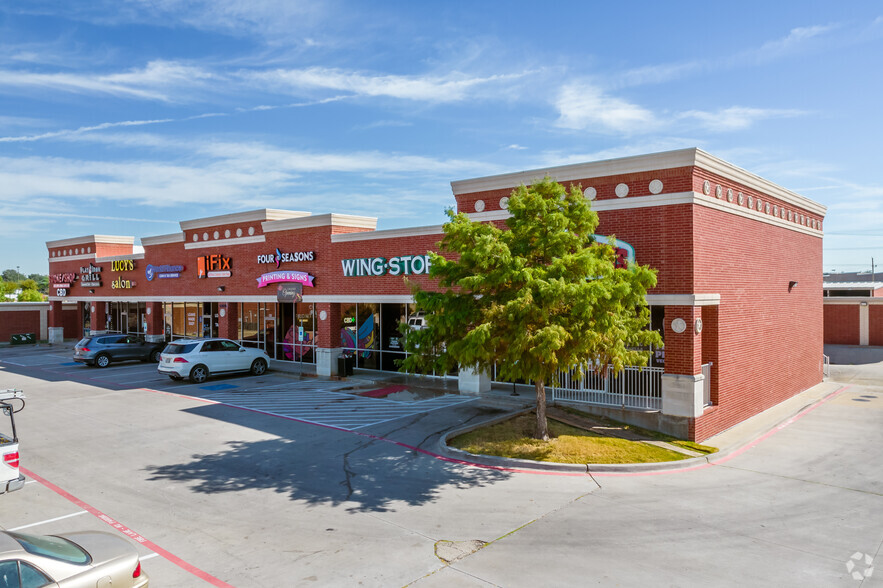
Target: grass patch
(644,432)
(514,438)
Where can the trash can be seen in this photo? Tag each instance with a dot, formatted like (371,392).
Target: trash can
(345,365)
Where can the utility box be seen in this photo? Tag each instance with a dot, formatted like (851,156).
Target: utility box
(23,339)
(345,365)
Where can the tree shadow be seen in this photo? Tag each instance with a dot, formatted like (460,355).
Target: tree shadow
(317,465)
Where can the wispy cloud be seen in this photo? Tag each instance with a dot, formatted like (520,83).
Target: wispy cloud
(796,39)
(158,80)
(584,106)
(736,118)
(427,88)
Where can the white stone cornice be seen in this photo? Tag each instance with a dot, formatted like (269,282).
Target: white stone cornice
(684,299)
(641,163)
(321,220)
(225,242)
(71,257)
(669,200)
(250,216)
(91,240)
(110,258)
(387,234)
(162,239)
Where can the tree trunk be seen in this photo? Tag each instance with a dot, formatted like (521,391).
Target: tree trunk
(542,425)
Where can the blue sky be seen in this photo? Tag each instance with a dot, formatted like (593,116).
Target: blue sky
(123,117)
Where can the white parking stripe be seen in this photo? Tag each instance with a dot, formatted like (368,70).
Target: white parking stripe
(75,514)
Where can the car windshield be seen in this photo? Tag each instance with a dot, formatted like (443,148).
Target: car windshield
(179,348)
(53,547)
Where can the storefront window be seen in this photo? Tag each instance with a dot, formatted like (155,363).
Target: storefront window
(167,320)
(248,323)
(348,328)
(192,313)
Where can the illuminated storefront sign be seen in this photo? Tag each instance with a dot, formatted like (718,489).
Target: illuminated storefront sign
(122,265)
(286,276)
(281,257)
(122,284)
(163,271)
(90,276)
(63,280)
(214,266)
(403,265)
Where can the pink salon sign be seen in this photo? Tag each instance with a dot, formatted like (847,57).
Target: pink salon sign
(285,276)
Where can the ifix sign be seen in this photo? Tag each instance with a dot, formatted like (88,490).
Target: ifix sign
(403,265)
(213,266)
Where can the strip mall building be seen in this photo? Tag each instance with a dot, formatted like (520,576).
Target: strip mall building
(738,299)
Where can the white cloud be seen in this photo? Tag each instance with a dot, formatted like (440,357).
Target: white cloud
(585,107)
(429,88)
(795,39)
(736,118)
(159,80)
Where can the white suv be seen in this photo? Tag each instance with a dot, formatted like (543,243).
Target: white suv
(197,359)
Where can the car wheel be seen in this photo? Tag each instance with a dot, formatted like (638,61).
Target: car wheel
(155,356)
(258,367)
(199,374)
(103,360)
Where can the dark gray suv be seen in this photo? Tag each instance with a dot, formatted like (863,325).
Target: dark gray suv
(101,350)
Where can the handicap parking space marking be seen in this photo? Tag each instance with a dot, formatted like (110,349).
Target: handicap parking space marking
(320,405)
(218,387)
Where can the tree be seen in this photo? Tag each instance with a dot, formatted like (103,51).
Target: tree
(30,295)
(42,281)
(540,297)
(11,275)
(28,284)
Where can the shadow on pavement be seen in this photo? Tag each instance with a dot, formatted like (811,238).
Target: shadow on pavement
(318,465)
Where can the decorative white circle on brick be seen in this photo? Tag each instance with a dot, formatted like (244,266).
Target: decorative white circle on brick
(750,201)
(789,215)
(238,232)
(718,191)
(205,236)
(323,315)
(216,235)
(195,237)
(655,187)
(622,190)
(679,325)
(706,187)
(227,234)
(776,210)
(504,202)
(759,204)
(93,309)
(223,312)
(729,194)
(590,193)
(741,198)
(697,326)
(766,208)
(77,251)
(479,205)
(148,310)
(251,230)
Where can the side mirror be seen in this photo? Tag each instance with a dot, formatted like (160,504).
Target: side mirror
(242,350)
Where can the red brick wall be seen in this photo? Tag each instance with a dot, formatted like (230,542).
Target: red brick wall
(875,324)
(842,324)
(770,339)
(14,321)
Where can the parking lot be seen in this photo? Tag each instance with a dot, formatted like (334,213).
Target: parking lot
(280,480)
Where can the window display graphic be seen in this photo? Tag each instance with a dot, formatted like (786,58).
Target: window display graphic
(363,339)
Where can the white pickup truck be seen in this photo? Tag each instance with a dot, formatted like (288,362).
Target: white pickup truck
(11,401)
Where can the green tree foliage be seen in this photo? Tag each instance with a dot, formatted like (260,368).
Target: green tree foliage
(30,295)
(11,275)
(28,285)
(42,281)
(540,297)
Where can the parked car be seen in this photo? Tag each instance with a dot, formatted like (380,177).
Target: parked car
(72,560)
(11,401)
(197,359)
(102,350)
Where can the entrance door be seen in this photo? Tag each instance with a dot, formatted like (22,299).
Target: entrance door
(207,325)
(270,335)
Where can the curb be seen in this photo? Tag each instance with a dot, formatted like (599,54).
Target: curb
(665,466)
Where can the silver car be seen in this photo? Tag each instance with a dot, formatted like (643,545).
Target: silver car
(72,560)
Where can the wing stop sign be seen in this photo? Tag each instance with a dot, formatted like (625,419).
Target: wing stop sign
(289,292)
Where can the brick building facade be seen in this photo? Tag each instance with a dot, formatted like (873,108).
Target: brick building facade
(739,288)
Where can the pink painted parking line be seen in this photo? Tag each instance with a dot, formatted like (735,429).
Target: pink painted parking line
(129,532)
